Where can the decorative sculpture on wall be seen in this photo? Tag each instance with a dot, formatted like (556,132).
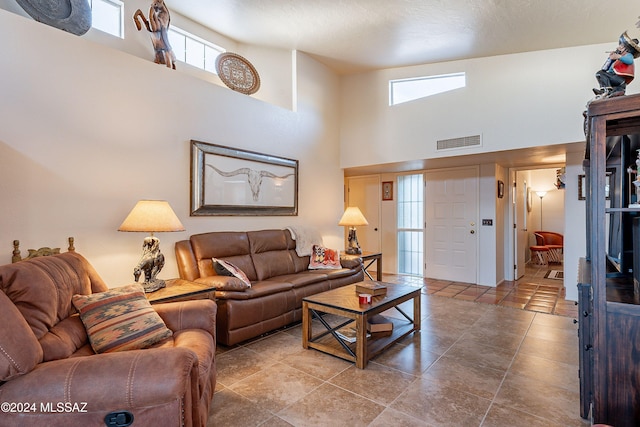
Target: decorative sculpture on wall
(158,26)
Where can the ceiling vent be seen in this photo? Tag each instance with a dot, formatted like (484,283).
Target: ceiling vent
(465,141)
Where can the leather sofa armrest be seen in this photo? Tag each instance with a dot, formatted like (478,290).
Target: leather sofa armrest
(193,314)
(110,381)
(352,263)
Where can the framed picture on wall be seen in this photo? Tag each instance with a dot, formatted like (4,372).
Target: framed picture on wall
(230,181)
(387,190)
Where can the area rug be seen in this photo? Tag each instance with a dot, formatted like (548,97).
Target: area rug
(554,274)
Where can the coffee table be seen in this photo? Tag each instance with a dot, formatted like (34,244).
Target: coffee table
(344,302)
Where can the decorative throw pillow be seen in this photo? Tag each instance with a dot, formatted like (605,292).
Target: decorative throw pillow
(322,257)
(120,319)
(224,283)
(225,268)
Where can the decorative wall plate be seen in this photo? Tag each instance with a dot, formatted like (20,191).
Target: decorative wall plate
(237,73)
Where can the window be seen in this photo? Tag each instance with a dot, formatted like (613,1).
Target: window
(411,224)
(193,50)
(107,16)
(406,90)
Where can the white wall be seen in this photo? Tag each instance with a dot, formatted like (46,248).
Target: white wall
(274,66)
(575,240)
(513,101)
(87,130)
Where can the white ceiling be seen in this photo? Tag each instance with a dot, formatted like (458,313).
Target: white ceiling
(352,36)
(358,35)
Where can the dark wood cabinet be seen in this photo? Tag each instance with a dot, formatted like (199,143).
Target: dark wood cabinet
(609,301)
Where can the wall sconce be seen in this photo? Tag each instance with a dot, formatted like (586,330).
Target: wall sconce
(151,216)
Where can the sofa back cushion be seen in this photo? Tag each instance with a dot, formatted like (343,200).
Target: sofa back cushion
(20,351)
(41,290)
(270,253)
(232,246)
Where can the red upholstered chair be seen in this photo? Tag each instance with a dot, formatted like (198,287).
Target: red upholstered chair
(553,241)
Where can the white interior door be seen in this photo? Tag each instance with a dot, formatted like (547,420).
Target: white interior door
(364,192)
(451,217)
(521,234)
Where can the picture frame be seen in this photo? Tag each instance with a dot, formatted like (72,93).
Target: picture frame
(500,189)
(582,186)
(387,190)
(230,181)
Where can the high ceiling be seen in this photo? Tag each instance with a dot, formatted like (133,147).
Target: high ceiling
(357,35)
(352,36)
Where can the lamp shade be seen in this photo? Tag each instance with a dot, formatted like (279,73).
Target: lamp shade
(151,216)
(353,217)
(541,194)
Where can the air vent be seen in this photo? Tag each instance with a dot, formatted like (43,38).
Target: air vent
(465,141)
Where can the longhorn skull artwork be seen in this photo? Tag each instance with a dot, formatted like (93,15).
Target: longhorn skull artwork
(254,178)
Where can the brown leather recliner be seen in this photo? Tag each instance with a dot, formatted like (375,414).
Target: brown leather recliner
(50,375)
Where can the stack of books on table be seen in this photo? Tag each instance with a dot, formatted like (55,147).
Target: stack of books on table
(371,288)
(379,325)
(348,333)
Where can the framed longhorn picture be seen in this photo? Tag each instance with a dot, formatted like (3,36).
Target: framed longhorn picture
(231,181)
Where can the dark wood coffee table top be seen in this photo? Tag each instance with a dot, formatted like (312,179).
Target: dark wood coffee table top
(346,297)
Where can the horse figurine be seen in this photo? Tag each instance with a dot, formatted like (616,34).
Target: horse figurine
(151,263)
(158,26)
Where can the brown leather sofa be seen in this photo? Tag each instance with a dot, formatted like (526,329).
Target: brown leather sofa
(280,279)
(50,375)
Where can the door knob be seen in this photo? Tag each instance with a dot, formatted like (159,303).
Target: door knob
(473,232)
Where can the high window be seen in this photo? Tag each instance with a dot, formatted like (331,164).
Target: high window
(193,50)
(108,16)
(405,90)
(411,224)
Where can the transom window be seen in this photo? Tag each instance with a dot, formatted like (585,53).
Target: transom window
(193,50)
(405,90)
(108,16)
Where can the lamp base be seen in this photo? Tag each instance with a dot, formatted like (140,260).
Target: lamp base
(153,285)
(150,264)
(354,247)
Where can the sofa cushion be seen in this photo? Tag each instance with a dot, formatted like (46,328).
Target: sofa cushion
(225,268)
(324,258)
(232,246)
(120,319)
(224,283)
(270,253)
(20,351)
(64,339)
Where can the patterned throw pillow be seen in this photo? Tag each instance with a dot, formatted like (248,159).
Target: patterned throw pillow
(326,258)
(225,268)
(120,319)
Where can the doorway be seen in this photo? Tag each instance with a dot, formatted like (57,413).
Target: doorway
(451,217)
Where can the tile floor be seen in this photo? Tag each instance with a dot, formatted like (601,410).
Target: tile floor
(474,363)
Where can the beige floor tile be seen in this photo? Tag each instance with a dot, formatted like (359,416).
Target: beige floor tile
(331,405)
(391,417)
(560,352)
(276,387)
(501,416)
(481,355)
(549,371)
(239,363)
(556,404)
(229,409)
(462,376)
(378,382)
(440,405)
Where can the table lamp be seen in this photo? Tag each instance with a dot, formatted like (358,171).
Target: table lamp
(352,217)
(151,216)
